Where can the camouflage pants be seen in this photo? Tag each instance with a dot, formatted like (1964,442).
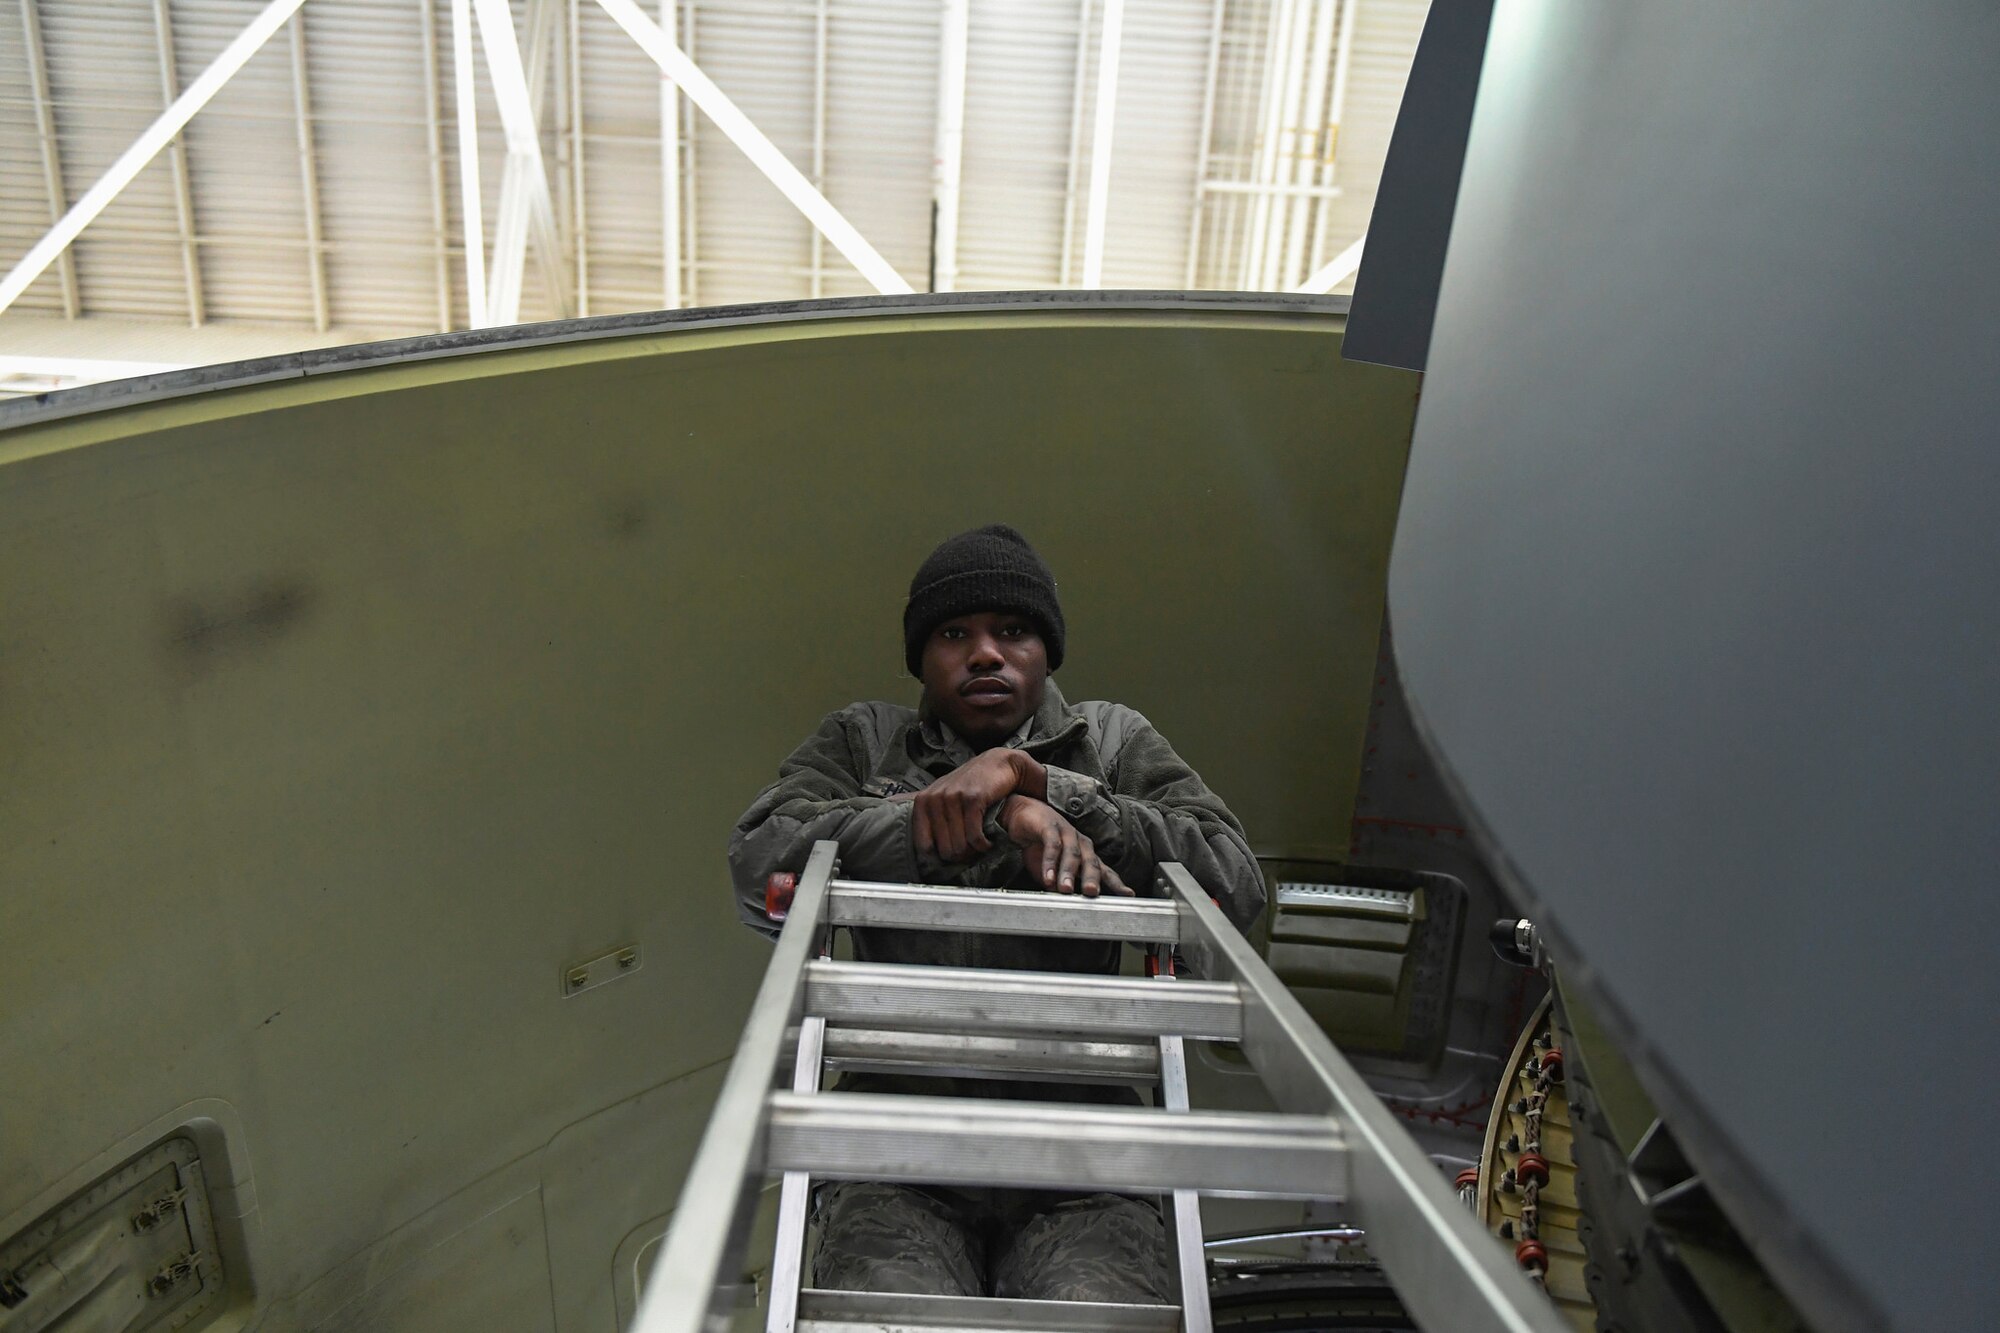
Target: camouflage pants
(1028,1244)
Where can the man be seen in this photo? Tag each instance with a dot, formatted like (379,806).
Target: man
(994,780)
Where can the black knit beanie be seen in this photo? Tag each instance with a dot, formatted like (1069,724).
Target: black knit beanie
(988,569)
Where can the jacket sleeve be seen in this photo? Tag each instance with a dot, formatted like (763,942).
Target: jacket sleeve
(818,795)
(1151,808)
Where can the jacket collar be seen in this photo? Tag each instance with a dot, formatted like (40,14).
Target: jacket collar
(1054,723)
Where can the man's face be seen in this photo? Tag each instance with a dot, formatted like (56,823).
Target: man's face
(983,674)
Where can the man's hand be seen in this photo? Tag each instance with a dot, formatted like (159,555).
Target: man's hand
(1068,861)
(950,818)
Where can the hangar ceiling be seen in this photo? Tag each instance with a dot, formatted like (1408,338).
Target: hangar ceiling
(321,196)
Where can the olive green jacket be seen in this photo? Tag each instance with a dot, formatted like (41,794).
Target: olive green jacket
(1110,774)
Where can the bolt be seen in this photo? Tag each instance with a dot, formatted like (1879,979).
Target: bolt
(578,977)
(629,958)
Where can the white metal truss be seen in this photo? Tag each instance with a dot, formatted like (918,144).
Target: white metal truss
(1075,156)
(776,167)
(1343,62)
(670,170)
(45,126)
(1335,271)
(308,174)
(434,157)
(579,215)
(526,208)
(1207,139)
(523,166)
(822,17)
(1303,163)
(561,175)
(947,166)
(543,229)
(691,194)
(157,135)
(1110,43)
(470,206)
(994,149)
(170,88)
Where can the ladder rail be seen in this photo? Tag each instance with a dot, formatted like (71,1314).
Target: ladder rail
(1184,1206)
(693,1286)
(1448,1272)
(788,1258)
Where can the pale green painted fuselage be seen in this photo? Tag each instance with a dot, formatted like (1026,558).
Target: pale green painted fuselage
(342,713)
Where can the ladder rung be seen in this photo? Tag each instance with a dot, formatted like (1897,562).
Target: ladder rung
(997,911)
(895,1312)
(932,998)
(1052,1145)
(945,1055)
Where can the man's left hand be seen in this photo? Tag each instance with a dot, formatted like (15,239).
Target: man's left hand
(1069,860)
(950,818)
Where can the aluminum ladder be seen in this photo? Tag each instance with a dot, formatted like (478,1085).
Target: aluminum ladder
(1331,1138)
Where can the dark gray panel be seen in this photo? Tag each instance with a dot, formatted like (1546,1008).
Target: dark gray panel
(1395,293)
(1697,591)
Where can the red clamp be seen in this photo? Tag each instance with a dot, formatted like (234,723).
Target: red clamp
(1469,1176)
(778,891)
(1530,1254)
(1552,1064)
(1532,1169)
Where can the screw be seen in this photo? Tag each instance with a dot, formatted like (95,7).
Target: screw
(578,977)
(629,958)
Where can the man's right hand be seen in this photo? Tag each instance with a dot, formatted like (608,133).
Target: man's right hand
(950,817)
(1069,863)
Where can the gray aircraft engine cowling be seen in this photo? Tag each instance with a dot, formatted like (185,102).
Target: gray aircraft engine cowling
(1694,592)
